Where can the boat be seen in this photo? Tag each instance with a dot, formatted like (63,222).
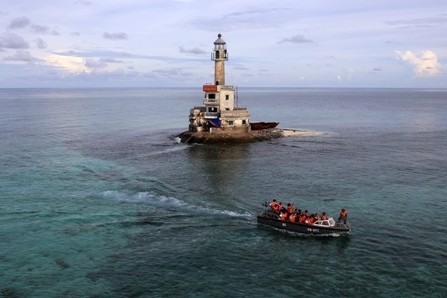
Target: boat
(263,125)
(319,227)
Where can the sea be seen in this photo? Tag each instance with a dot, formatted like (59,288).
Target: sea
(99,199)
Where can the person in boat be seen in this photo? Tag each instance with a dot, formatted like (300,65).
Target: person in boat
(290,208)
(301,218)
(281,207)
(274,205)
(324,216)
(283,215)
(295,216)
(292,217)
(311,219)
(343,216)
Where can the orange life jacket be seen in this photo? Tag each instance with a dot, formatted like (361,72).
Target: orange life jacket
(344,214)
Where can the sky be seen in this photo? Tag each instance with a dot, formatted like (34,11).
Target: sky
(168,43)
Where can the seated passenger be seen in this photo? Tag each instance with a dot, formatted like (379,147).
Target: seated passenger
(283,215)
(289,208)
(310,219)
(280,207)
(324,216)
(302,218)
(274,205)
(292,217)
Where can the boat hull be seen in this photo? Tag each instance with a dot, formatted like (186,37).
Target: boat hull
(269,220)
(263,125)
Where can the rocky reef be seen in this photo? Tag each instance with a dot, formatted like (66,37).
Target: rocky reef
(222,136)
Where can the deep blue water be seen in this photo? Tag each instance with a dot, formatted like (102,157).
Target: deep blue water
(98,200)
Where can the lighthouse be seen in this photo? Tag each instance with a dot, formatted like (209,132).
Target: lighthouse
(220,119)
(220,114)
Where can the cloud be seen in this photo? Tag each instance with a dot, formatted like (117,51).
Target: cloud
(22,55)
(40,29)
(172,72)
(115,36)
(101,63)
(83,2)
(67,63)
(43,29)
(240,67)
(195,51)
(41,44)
(106,54)
(263,72)
(420,22)
(296,39)
(13,41)
(246,19)
(92,63)
(19,23)
(424,65)
(376,70)
(80,62)
(111,60)
(22,22)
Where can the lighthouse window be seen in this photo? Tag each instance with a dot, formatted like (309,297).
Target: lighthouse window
(212,96)
(227,97)
(231,122)
(212,110)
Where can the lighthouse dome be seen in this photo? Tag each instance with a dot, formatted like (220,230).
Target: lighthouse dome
(219,40)
(220,44)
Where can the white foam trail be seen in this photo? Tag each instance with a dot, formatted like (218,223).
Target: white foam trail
(291,132)
(169,202)
(171,148)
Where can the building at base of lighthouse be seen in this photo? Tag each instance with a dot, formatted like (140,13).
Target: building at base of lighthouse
(220,112)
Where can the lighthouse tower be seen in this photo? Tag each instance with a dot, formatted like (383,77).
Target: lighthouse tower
(219,56)
(220,113)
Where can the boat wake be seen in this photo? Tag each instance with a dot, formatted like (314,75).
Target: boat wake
(291,132)
(169,203)
(168,148)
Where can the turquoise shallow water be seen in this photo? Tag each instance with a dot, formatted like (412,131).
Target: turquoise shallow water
(97,200)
